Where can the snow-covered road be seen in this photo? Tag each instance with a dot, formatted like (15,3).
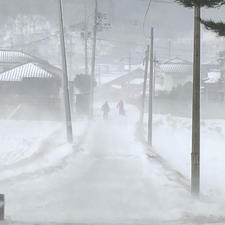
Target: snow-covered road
(109,179)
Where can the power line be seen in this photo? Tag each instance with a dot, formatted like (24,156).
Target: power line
(36,41)
(53,35)
(164,2)
(148,8)
(146,13)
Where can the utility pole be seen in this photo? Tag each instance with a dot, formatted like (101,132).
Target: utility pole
(92,79)
(69,130)
(170,48)
(154,73)
(151,86)
(144,85)
(71,54)
(85,39)
(99,74)
(195,155)
(2,207)
(129,61)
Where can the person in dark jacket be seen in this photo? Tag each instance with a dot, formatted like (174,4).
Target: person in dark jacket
(106,110)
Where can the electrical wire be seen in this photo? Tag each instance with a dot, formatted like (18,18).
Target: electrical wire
(164,2)
(148,9)
(145,17)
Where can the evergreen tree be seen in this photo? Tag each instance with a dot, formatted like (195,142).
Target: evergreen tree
(201,3)
(217,27)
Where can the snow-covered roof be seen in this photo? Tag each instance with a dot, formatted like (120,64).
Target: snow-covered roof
(177,60)
(137,81)
(176,65)
(29,70)
(136,74)
(7,56)
(107,79)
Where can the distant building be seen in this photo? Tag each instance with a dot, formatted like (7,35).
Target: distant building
(168,76)
(213,87)
(23,76)
(128,86)
(171,78)
(128,79)
(10,59)
(173,73)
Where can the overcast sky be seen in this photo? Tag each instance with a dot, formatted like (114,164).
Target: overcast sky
(171,21)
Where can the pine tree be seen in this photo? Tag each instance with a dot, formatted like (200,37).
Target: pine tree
(201,3)
(217,27)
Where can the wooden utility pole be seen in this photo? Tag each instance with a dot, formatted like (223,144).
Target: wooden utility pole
(144,85)
(2,207)
(69,130)
(195,155)
(151,86)
(170,48)
(85,39)
(129,61)
(154,73)
(92,80)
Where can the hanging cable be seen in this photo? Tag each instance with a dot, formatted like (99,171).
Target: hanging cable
(145,17)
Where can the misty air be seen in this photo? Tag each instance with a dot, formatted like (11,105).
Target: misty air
(112,112)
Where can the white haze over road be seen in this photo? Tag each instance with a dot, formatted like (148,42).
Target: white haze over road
(109,178)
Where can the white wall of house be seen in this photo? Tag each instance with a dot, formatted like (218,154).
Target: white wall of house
(168,81)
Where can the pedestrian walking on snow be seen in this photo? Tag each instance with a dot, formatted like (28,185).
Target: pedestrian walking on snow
(120,106)
(106,110)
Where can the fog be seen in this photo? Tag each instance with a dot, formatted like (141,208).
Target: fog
(76,129)
(173,25)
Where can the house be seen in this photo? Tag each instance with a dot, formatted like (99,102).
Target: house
(132,78)
(168,75)
(24,77)
(173,73)
(11,58)
(213,87)
(128,86)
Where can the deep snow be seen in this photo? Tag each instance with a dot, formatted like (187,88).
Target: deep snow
(176,149)
(110,177)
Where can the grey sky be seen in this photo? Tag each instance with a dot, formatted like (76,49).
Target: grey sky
(171,21)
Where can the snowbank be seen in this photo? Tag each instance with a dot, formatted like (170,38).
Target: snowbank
(30,146)
(172,140)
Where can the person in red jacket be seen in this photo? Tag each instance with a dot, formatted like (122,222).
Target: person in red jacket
(120,106)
